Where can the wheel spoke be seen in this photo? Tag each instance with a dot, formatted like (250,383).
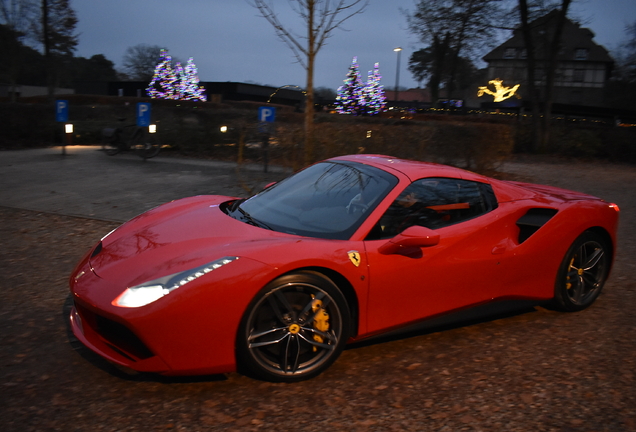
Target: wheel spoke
(255,336)
(279,298)
(578,289)
(291,352)
(325,302)
(332,337)
(310,304)
(590,279)
(313,342)
(272,302)
(593,259)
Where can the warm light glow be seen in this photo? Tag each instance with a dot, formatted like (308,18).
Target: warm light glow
(152,128)
(223,129)
(151,291)
(68,128)
(397,49)
(501,93)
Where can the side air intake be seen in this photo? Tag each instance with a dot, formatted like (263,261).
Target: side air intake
(533,220)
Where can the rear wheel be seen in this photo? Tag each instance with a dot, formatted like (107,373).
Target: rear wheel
(145,144)
(294,329)
(111,142)
(583,272)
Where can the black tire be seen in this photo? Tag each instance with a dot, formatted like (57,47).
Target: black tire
(583,272)
(145,144)
(111,145)
(294,329)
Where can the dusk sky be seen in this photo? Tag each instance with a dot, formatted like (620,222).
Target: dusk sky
(231,42)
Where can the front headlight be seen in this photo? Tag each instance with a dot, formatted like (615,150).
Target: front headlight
(148,292)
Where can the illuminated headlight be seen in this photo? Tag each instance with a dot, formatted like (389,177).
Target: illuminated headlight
(151,291)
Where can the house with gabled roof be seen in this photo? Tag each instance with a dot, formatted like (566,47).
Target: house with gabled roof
(584,67)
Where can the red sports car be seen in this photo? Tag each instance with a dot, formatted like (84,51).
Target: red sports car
(275,285)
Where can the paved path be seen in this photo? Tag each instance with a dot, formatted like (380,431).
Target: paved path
(86,182)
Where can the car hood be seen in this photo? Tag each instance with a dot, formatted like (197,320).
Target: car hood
(176,237)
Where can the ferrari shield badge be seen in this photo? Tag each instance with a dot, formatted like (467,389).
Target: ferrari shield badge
(354,257)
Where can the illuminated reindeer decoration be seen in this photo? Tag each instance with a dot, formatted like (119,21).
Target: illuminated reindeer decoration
(501,93)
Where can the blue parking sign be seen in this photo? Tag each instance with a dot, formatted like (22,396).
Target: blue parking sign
(143,114)
(266,114)
(61,110)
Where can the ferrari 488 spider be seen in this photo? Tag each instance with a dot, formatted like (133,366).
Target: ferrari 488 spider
(356,246)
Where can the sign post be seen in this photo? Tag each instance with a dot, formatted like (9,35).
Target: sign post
(61,116)
(143,114)
(266,117)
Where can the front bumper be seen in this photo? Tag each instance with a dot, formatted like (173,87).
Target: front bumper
(114,341)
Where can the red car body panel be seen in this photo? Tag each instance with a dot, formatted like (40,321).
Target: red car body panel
(193,329)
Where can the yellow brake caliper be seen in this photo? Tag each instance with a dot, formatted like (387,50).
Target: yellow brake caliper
(321,320)
(568,284)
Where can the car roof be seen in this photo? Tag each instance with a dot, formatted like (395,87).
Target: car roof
(412,169)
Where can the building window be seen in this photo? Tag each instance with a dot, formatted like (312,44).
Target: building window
(524,54)
(510,53)
(579,75)
(580,54)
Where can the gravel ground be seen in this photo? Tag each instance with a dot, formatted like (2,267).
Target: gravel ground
(535,370)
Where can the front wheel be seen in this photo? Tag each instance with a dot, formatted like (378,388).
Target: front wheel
(583,272)
(111,141)
(145,144)
(294,329)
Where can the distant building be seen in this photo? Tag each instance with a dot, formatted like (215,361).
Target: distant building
(583,66)
(419,97)
(28,91)
(216,92)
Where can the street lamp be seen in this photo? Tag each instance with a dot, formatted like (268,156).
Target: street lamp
(398,50)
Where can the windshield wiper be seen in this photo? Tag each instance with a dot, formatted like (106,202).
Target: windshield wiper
(250,220)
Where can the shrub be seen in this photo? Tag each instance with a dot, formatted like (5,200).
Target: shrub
(478,147)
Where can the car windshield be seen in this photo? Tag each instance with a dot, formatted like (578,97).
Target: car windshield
(327,200)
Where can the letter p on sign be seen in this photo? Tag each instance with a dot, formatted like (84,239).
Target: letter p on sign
(266,114)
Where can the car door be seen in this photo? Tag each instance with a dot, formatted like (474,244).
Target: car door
(461,269)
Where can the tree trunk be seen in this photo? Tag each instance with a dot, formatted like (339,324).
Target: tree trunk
(46,41)
(551,74)
(531,68)
(439,52)
(309,101)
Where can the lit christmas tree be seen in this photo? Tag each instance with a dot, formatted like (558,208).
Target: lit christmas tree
(190,88)
(350,97)
(164,83)
(374,97)
(176,83)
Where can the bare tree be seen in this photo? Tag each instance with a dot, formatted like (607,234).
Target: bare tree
(56,31)
(542,39)
(621,91)
(16,16)
(625,55)
(452,30)
(140,60)
(321,18)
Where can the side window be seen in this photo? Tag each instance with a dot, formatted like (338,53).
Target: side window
(435,203)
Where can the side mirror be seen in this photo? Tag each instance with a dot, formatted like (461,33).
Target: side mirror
(409,239)
(269,185)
